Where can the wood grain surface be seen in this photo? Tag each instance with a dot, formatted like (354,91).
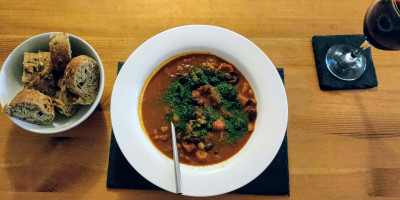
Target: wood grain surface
(342,144)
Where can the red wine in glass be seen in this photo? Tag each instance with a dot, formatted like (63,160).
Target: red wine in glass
(382,25)
(381,30)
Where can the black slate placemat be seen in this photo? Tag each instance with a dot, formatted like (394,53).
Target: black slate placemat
(327,81)
(273,181)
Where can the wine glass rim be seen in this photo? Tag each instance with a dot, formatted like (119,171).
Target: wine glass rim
(397,8)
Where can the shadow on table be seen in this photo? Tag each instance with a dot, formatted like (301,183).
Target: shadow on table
(68,161)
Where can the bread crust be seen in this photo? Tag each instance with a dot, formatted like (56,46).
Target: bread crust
(45,61)
(43,81)
(60,51)
(66,107)
(33,97)
(30,66)
(74,70)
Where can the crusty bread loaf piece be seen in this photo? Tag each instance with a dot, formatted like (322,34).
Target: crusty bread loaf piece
(31,67)
(45,61)
(60,50)
(42,80)
(82,78)
(31,106)
(45,85)
(67,107)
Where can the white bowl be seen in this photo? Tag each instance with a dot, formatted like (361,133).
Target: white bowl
(11,82)
(210,180)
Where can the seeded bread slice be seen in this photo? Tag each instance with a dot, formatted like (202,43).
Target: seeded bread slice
(60,52)
(82,78)
(31,106)
(43,80)
(45,61)
(31,67)
(67,107)
(43,85)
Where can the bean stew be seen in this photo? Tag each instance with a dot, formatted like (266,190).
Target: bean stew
(211,103)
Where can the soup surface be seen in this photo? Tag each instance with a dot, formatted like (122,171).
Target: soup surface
(210,102)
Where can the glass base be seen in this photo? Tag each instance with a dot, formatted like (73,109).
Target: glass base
(341,64)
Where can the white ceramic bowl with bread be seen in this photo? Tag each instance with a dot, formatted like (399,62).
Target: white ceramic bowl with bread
(11,82)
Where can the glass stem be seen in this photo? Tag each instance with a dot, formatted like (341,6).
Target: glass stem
(362,47)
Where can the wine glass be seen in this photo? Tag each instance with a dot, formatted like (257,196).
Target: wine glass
(381,30)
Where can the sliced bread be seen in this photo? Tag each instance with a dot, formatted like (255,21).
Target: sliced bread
(31,106)
(43,80)
(43,85)
(60,50)
(45,61)
(31,67)
(67,107)
(82,78)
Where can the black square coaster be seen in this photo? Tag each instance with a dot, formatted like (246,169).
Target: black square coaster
(327,81)
(273,181)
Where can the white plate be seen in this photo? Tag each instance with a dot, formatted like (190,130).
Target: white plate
(229,175)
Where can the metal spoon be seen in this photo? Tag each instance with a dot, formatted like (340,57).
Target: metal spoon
(178,180)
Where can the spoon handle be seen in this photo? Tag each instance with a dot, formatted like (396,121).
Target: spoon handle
(178,180)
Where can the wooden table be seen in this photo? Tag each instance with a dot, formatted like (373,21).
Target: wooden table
(342,144)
